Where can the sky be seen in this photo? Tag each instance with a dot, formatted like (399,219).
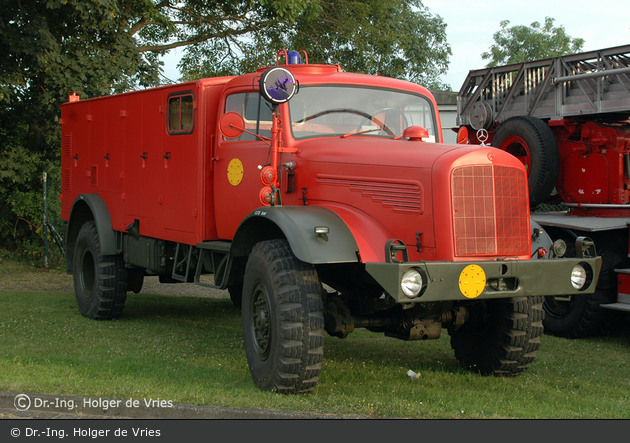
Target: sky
(471,25)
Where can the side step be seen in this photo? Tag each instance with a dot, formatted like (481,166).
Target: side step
(214,257)
(623,295)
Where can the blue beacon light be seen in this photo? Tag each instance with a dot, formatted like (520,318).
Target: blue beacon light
(293,58)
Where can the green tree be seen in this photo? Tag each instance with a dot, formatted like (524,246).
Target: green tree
(95,47)
(395,38)
(99,47)
(48,48)
(518,44)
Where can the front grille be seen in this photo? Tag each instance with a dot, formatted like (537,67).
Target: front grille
(490,211)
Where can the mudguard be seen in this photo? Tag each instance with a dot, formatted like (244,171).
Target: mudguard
(297,224)
(92,207)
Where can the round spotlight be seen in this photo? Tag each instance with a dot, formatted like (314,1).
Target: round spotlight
(411,283)
(578,277)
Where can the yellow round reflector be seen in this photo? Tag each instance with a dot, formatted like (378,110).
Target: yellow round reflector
(472,280)
(235,172)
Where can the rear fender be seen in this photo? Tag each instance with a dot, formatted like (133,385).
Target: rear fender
(85,208)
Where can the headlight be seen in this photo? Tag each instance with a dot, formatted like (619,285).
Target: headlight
(411,283)
(578,277)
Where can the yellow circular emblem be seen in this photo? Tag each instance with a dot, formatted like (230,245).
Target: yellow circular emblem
(235,171)
(472,281)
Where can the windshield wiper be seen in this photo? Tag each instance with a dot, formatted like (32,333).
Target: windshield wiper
(350,134)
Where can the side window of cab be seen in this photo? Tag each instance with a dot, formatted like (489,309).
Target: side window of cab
(255,112)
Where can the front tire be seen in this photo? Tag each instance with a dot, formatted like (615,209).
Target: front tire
(100,281)
(501,336)
(283,321)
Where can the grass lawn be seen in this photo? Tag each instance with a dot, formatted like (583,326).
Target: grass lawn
(189,350)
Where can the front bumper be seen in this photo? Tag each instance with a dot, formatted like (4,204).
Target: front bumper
(445,281)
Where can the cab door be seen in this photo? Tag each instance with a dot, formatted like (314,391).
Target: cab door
(237,181)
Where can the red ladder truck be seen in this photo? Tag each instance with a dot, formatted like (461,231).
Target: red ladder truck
(567,120)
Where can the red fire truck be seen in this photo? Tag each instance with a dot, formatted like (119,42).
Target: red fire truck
(567,120)
(322,201)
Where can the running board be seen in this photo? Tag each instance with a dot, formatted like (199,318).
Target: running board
(618,306)
(623,296)
(623,303)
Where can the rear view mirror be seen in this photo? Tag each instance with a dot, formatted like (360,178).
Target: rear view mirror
(231,125)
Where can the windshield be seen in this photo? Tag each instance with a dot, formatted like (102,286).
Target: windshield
(333,111)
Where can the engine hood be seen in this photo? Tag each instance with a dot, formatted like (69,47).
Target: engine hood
(385,188)
(376,151)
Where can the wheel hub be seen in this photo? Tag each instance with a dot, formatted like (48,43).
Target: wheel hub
(87,274)
(261,321)
(518,147)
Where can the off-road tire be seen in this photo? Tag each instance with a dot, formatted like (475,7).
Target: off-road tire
(536,138)
(283,320)
(100,281)
(500,337)
(577,316)
(581,316)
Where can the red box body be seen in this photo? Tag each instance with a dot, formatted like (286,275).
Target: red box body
(120,147)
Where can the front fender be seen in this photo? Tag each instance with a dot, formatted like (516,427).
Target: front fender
(297,224)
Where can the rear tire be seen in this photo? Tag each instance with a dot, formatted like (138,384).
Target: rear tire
(283,321)
(531,141)
(501,336)
(100,281)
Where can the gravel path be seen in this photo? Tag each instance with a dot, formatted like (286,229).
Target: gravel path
(153,286)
